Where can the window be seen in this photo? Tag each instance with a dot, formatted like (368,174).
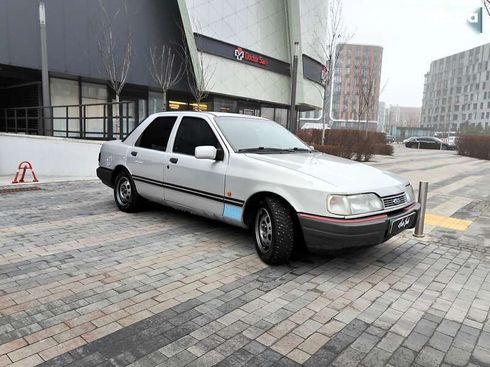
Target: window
(65,92)
(155,102)
(94,94)
(157,133)
(194,132)
(268,113)
(281,116)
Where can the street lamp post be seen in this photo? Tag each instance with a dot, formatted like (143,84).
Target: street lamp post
(48,124)
(294,76)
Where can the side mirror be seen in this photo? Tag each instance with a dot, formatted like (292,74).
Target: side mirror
(205,152)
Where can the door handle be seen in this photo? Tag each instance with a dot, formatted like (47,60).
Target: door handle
(174,160)
(134,154)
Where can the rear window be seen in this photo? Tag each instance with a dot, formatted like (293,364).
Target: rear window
(157,133)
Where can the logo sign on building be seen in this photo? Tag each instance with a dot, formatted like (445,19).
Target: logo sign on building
(475,20)
(241,55)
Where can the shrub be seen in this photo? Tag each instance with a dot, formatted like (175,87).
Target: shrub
(476,146)
(348,143)
(383,149)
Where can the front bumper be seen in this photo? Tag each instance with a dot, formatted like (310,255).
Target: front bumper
(323,233)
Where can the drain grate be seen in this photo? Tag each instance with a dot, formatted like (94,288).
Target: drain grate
(13,190)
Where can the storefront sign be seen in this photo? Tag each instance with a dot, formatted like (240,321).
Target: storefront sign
(241,54)
(223,49)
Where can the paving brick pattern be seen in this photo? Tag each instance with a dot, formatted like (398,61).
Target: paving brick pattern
(82,284)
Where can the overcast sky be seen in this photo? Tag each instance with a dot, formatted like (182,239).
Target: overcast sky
(413,33)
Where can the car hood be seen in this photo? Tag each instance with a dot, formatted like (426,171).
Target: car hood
(345,175)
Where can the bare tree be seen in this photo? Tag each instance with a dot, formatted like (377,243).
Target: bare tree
(331,45)
(368,90)
(165,69)
(115,51)
(200,77)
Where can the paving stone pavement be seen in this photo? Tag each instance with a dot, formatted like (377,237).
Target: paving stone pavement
(82,284)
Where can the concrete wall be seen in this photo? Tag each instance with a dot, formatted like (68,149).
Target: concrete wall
(49,156)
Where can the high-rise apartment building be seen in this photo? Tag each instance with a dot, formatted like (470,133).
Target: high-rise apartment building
(356,85)
(457,90)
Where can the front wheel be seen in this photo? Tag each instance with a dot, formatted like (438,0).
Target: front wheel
(125,195)
(274,231)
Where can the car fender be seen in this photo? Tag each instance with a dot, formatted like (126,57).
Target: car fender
(113,154)
(246,178)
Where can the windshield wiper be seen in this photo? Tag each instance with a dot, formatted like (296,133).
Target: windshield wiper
(259,149)
(270,149)
(296,149)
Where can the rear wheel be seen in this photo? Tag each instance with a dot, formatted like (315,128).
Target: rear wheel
(274,231)
(125,195)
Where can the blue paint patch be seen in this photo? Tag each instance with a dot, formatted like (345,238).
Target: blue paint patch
(233,212)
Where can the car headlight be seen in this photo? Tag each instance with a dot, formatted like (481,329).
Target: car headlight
(410,194)
(353,204)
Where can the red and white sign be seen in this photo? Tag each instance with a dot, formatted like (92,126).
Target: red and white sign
(241,55)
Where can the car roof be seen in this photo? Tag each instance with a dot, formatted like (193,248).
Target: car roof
(205,113)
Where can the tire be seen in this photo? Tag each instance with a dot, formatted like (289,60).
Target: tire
(444,147)
(273,230)
(125,195)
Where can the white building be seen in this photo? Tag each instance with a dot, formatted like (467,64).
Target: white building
(246,49)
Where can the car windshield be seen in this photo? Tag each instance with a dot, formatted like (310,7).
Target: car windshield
(259,135)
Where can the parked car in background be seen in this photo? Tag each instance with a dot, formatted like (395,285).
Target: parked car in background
(452,141)
(405,141)
(390,139)
(252,172)
(428,142)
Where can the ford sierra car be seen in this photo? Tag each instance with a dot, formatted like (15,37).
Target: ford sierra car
(252,172)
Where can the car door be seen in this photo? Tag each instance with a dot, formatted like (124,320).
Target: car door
(146,160)
(432,144)
(424,143)
(196,184)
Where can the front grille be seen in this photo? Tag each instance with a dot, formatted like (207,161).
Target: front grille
(395,200)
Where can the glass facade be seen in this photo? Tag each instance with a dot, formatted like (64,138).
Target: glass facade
(267,112)
(65,92)
(94,115)
(155,102)
(225,105)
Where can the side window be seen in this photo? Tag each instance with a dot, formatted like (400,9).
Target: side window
(157,133)
(193,132)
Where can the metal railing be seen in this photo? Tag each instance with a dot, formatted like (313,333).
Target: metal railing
(104,121)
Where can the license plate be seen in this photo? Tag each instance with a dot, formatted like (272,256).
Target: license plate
(400,224)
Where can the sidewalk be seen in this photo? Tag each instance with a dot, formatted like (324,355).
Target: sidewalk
(7,180)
